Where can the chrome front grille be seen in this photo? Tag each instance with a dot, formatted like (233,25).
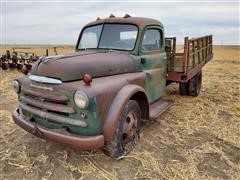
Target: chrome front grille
(51,107)
(53,117)
(46,96)
(46,105)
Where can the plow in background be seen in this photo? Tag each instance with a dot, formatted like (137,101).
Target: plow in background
(22,57)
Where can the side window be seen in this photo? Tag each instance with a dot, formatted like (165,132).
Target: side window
(152,40)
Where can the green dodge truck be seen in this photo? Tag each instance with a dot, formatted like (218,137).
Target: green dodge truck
(96,97)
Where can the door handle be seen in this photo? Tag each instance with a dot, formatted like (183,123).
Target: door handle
(143,60)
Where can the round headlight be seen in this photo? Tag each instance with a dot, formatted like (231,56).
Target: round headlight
(16,86)
(81,99)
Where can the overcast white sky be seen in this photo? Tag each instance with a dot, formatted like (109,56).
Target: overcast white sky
(49,22)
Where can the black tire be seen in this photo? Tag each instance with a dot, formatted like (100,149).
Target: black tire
(28,66)
(19,66)
(4,66)
(123,143)
(183,88)
(11,65)
(195,85)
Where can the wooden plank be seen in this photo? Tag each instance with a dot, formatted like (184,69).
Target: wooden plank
(173,53)
(193,51)
(170,47)
(186,54)
(198,51)
(202,50)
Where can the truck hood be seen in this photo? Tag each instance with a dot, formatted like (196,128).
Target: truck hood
(74,66)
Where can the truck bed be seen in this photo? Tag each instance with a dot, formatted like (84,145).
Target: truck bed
(184,65)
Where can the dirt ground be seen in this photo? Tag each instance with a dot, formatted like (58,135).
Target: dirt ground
(197,138)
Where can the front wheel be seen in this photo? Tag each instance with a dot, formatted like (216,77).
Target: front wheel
(127,133)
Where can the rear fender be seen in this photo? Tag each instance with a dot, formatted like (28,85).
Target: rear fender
(119,102)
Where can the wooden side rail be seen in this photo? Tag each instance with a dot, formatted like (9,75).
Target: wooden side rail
(195,51)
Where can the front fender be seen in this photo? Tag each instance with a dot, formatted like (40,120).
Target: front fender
(119,102)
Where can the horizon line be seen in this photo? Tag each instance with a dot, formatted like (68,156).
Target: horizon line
(29,44)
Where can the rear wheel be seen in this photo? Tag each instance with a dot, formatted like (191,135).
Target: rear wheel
(183,88)
(127,132)
(195,85)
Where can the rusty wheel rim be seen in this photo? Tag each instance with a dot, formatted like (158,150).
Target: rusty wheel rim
(129,133)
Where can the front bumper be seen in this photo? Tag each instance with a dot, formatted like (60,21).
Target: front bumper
(61,137)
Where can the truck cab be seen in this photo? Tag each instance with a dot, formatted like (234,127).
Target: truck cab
(141,38)
(97,97)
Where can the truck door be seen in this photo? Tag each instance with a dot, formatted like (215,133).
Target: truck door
(154,62)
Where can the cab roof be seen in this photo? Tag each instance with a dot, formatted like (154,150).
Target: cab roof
(138,21)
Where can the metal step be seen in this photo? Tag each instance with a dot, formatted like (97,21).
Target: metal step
(158,107)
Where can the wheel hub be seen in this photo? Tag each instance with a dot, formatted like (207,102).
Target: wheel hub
(129,128)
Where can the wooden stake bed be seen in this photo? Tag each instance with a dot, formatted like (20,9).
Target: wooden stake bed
(183,66)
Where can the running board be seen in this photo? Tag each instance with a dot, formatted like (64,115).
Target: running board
(158,107)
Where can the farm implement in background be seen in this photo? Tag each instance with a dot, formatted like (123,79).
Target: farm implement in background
(18,59)
(22,57)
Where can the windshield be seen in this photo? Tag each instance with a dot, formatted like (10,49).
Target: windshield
(109,36)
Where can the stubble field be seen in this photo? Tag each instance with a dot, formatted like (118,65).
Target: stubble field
(197,138)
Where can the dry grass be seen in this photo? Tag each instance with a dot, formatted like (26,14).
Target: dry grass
(197,138)
(39,50)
